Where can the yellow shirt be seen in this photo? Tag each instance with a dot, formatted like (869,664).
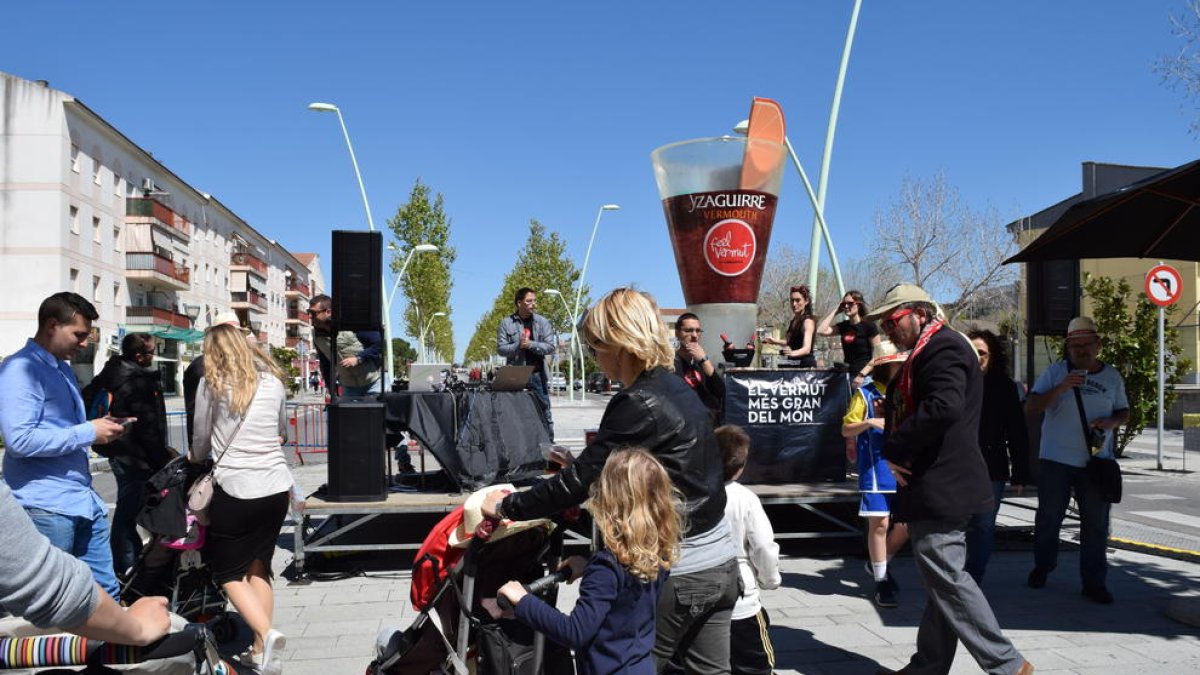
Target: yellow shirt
(857,412)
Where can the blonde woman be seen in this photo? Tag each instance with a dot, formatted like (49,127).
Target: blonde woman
(659,412)
(611,628)
(240,419)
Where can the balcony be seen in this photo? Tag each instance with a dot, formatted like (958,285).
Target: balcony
(292,341)
(296,289)
(248,300)
(242,261)
(157,270)
(146,210)
(147,315)
(297,316)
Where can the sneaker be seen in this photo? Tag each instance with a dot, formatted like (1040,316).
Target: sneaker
(247,659)
(885,594)
(1098,594)
(1037,578)
(888,575)
(272,657)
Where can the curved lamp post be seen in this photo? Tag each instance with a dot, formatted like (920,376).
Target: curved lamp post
(387,319)
(574,343)
(419,248)
(579,290)
(424,330)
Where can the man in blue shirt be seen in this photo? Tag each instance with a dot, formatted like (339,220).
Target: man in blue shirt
(1062,463)
(47,436)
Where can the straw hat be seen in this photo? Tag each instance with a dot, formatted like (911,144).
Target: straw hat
(885,352)
(227,319)
(897,295)
(473,516)
(1082,327)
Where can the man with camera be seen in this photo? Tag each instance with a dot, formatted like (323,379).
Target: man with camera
(1077,393)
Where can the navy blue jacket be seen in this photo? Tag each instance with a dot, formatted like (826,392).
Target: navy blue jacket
(611,628)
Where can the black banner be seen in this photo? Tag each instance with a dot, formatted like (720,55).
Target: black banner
(794,418)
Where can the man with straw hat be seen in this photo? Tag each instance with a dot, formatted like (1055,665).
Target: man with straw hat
(932,448)
(1078,385)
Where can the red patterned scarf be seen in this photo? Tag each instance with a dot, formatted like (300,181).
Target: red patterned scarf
(904,405)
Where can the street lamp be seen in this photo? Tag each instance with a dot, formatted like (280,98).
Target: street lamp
(425,329)
(579,290)
(387,347)
(574,343)
(419,248)
(819,228)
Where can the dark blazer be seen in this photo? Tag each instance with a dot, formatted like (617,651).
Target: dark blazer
(1003,437)
(136,392)
(660,413)
(939,440)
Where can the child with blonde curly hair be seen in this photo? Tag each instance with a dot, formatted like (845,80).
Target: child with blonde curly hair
(611,628)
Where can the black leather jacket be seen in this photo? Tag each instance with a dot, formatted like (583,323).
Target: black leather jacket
(136,392)
(660,413)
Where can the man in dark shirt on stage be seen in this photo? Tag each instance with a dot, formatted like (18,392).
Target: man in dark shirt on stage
(696,368)
(525,338)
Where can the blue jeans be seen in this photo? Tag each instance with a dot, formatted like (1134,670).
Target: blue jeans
(981,535)
(84,538)
(126,542)
(1056,482)
(540,389)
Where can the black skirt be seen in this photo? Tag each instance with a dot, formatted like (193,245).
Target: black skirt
(242,531)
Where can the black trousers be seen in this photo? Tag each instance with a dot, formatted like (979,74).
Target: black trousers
(750,648)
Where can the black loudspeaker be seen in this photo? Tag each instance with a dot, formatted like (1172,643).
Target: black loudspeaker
(356,452)
(357,280)
(1053,295)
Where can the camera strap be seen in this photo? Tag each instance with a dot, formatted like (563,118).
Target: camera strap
(1087,435)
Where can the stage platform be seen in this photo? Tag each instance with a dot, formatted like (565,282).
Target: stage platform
(797,511)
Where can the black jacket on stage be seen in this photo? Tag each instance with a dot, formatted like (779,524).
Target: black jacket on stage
(710,388)
(136,392)
(658,412)
(939,439)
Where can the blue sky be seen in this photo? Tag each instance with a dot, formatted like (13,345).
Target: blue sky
(518,110)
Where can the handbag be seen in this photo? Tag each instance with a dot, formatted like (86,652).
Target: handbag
(200,494)
(1103,472)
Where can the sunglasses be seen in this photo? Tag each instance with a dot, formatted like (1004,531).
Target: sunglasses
(890,322)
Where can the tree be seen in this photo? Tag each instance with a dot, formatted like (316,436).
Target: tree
(285,358)
(427,281)
(403,354)
(540,264)
(943,246)
(1181,70)
(1130,329)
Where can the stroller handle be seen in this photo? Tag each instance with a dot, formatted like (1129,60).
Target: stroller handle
(537,586)
(73,650)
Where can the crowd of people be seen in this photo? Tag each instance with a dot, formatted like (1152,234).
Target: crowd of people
(937,426)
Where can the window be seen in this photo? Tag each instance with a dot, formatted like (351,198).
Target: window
(95,229)
(75,158)
(74,213)
(95,289)
(116,238)
(116,295)
(96,171)
(74,280)
(116,185)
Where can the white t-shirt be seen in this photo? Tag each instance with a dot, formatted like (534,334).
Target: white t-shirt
(758,554)
(1062,432)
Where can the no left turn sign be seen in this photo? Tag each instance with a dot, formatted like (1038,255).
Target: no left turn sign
(1163,285)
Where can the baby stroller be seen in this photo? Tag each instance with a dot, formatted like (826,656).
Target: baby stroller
(170,563)
(189,650)
(463,560)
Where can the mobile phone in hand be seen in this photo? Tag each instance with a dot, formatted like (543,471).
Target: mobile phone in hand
(125,421)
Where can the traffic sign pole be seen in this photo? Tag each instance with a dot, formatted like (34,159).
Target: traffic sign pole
(1161,382)
(1163,287)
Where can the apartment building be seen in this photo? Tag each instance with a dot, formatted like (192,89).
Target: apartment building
(84,208)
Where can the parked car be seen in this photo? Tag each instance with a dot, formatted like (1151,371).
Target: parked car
(600,384)
(558,383)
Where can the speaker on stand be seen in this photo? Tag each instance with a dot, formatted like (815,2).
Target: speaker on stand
(356,451)
(357,280)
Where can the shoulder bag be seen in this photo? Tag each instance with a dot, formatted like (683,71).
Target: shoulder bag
(1103,472)
(201,493)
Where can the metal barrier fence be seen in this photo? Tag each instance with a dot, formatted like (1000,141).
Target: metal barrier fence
(177,430)
(307,425)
